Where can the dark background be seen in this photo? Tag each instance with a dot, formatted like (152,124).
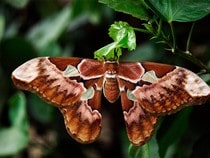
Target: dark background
(83,32)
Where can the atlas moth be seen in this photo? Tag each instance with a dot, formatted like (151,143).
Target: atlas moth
(147,90)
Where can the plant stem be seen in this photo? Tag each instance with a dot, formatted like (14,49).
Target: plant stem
(141,30)
(194,60)
(189,37)
(159,27)
(173,37)
(172,45)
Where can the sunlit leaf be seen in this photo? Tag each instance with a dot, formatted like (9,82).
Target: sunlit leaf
(124,37)
(123,33)
(106,52)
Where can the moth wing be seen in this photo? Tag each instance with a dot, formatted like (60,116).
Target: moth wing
(140,124)
(44,78)
(83,119)
(50,79)
(174,89)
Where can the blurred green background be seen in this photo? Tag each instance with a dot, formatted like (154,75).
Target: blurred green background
(31,128)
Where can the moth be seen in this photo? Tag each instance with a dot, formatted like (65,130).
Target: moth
(147,91)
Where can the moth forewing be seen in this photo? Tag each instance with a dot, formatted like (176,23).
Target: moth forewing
(75,85)
(42,77)
(195,86)
(173,91)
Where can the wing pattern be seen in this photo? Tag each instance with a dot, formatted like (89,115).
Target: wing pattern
(75,85)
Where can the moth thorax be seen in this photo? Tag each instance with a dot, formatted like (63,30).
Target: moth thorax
(111,89)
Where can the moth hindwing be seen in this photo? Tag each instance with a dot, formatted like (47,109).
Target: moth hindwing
(147,90)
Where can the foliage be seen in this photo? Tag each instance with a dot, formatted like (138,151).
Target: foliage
(60,28)
(123,36)
(15,137)
(169,12)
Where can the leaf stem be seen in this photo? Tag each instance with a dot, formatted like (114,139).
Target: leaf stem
(159,33)
(189,37)
(193,59)
(173,37)
(159,27)
(141,30)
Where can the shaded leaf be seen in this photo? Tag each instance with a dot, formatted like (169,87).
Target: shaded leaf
(91,9)
(136,8)
(17,3)
(49,29)
(174,131)
(148,150)
(51,49)
(181,11)
(17,112)
(39,109)
(13,140)
(16,137)
(2,23)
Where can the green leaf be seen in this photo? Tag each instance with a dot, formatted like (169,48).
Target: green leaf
(2,25)
(16,137)
(91,9)
(136,8)
(175,131)
(123,33)
(17,3)
(39,109)
(106,52)
(51,49)
(17,112)
(180,10)
(124,37)
(148,150)
(142,151)
(13,140)
(49,29)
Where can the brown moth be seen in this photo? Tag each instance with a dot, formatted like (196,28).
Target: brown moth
(147,90)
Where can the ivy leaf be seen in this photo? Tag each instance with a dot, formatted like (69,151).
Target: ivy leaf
(181,11)
(124,37)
